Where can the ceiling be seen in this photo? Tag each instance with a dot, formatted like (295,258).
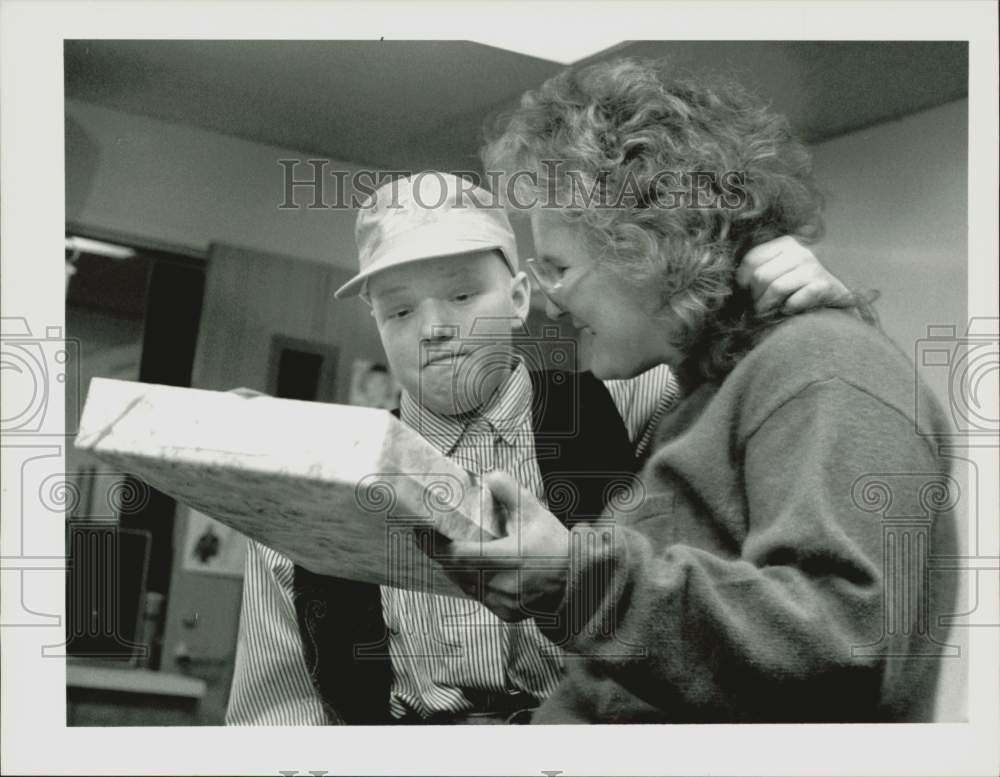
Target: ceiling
(413,105)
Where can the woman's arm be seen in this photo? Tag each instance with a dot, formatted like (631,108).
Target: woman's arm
(774,632)
(766,632)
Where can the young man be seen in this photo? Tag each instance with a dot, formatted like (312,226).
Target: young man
(443,279)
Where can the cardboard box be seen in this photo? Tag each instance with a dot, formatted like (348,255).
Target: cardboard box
(341,490)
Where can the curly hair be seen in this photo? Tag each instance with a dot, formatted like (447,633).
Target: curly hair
(607,145)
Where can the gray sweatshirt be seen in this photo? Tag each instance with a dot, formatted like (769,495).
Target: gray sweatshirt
(775,569)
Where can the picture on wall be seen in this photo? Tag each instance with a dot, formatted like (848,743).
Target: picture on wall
(213,548)
(373,385)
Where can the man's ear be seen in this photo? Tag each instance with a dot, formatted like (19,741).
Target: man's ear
(520,295)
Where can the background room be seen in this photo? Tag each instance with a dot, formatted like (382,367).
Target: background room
(184,268)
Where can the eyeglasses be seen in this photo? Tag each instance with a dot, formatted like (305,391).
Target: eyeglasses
(548,277)
(551,280)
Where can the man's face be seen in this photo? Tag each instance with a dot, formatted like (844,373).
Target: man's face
(446,327)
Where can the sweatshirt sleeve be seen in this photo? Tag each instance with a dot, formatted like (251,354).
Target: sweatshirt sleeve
(767,631)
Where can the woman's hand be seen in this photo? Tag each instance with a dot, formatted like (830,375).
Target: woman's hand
(784,273)
(521,574)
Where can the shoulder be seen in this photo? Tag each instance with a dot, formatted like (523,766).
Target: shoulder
(826,346)
(834,337)
(820,345)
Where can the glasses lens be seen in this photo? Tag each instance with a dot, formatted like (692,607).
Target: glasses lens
(544,287)
(544,275)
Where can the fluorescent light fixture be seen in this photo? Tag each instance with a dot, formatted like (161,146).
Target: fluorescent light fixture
(564,49)
(84,245)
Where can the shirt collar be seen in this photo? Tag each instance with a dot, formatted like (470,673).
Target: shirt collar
(509,408)
(506,412)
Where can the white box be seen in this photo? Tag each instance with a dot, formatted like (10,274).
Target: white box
(338,489)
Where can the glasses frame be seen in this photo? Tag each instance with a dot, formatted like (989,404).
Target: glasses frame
(540,275)
(550,287)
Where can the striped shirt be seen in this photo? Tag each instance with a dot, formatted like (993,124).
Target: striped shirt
(438,645)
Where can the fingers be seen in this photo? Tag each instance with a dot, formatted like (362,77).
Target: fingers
(505,489)
(783,273)
(509,494)
(816,294)
(493,554)
(763,253)
(500,593)
(505,607)
(804,288)
(765,276)
(757,257)
(495,582)
(801,300)
(783,287)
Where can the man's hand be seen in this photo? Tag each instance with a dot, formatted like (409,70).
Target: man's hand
(785,274)
(521,574)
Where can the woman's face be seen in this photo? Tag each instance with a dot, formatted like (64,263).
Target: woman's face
(620,335)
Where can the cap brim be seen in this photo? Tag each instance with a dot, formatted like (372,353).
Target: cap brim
(400,258)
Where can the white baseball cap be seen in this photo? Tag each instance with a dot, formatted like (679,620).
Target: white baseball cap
(427,216)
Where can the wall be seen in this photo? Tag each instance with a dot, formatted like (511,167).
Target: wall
(186,187)
(109,346)
(897,219)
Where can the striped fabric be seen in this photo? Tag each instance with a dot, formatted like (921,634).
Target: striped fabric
(643,401)
(438,644)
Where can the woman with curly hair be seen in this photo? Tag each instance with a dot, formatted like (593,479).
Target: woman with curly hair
(743,579)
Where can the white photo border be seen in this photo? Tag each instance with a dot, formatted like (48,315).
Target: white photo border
(35,737)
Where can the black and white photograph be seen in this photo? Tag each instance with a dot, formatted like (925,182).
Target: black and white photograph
(640,384)
(372,385)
